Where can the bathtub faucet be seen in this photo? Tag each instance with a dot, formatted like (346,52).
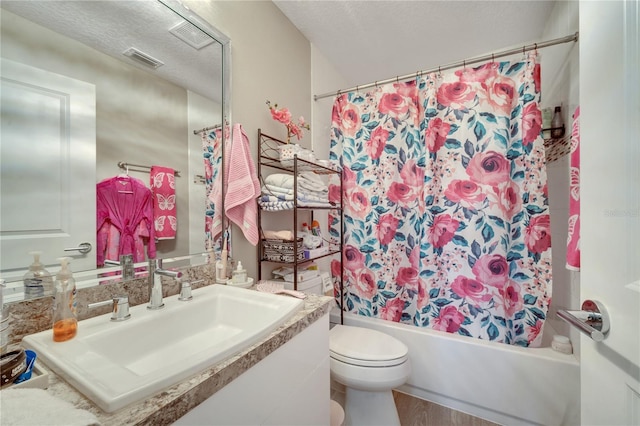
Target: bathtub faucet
(155,282)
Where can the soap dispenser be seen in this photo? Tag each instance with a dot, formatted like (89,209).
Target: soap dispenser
(65,320)
(239,275)
(37,281)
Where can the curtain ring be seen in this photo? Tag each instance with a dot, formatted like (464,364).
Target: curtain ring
(397,77)
(523,49)
(376,83)
(464,64)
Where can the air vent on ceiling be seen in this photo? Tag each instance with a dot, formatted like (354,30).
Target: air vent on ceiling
(191,35)
(142,57)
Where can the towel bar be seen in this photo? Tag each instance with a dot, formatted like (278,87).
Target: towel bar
(592,319)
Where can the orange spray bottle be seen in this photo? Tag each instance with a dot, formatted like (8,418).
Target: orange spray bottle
(65,320)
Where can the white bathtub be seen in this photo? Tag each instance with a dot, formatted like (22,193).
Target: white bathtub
(504,384)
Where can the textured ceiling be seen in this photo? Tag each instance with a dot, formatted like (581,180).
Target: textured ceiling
(375,40)
(113,26)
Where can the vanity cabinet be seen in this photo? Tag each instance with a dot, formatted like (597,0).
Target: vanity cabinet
(270,161)
(291,386)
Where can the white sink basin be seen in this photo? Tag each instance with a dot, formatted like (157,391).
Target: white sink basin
(118,363)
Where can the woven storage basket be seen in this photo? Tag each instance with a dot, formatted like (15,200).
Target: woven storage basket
(282,250)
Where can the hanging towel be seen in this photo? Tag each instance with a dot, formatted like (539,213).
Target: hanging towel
(243,187)
(573,236)
(163,187)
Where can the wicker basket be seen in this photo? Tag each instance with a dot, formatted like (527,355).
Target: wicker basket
(282,250)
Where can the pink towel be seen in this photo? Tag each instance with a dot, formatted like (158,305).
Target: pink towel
(163,187)
(243,187)
(573,236)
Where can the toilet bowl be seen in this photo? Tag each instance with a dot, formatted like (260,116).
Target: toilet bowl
(369,364)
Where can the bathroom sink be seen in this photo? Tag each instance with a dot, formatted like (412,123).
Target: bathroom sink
(118,363)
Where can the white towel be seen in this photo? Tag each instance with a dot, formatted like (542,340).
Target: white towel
(280,179)
(35,407)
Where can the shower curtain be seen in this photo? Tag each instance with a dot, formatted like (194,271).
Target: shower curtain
(446,220)
(211,146)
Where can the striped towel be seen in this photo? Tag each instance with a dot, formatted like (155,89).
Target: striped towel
(243,187)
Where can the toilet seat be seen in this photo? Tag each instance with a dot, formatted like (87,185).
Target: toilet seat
(365,347)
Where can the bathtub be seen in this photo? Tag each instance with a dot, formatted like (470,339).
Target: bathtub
(497,382)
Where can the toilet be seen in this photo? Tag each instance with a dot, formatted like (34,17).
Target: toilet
(369,364)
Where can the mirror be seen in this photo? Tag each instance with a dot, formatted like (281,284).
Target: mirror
(126,111)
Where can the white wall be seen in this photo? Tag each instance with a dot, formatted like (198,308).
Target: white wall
(270,60)
(560,87)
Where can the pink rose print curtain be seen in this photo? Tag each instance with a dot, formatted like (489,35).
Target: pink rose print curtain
(446,220)
(211,154)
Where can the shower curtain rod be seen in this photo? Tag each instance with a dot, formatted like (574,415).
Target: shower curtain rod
(462,63)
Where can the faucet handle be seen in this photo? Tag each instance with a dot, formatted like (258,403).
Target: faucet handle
(185,292)
(120,307)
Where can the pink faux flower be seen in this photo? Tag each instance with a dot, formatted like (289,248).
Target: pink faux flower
(449,319)
(282,115)
(392,310)
(436,134)
(387,227)
(489,168)
(537,236)
(442,230)
(492,269)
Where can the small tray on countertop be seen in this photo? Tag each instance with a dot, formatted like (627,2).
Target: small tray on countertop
(39,379)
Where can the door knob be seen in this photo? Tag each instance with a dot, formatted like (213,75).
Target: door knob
(592,319)
(83,248)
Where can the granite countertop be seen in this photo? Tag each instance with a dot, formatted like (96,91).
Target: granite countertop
(174,402)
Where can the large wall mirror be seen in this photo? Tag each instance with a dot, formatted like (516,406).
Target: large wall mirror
(87,86)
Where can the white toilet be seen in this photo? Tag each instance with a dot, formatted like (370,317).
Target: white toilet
(369,364)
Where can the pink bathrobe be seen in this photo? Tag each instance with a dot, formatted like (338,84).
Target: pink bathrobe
(124,203)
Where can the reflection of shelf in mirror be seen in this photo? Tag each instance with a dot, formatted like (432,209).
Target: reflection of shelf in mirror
(300,261)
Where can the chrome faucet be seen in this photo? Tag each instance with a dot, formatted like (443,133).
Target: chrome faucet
(155,282)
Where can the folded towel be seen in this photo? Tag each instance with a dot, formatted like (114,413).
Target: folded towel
(280,179)
(243,187)
(36,407)
(573,236)
(163,187)
(278,235)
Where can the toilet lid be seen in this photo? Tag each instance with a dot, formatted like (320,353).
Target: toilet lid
(366,347)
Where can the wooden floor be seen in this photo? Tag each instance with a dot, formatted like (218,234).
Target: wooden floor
(417,412)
